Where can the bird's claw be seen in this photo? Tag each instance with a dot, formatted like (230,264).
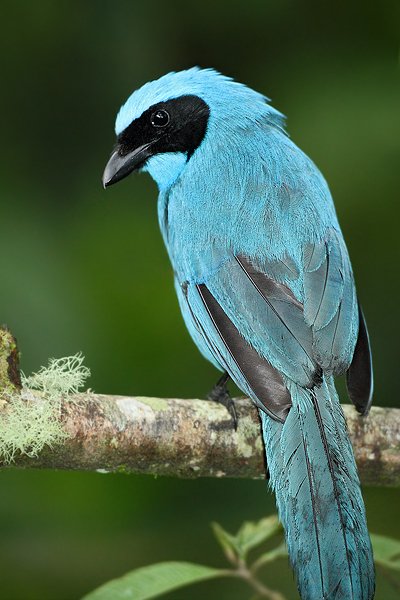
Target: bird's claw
(220,394)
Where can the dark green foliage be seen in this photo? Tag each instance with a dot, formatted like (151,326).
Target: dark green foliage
(156,580)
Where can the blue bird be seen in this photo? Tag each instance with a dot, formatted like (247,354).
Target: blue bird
(266,289)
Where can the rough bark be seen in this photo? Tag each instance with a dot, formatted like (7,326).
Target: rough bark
(195,438)
(183,438)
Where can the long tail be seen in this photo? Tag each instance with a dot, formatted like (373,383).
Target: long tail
(318,495)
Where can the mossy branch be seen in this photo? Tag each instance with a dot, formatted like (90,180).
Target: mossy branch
(194,438)
(179,438)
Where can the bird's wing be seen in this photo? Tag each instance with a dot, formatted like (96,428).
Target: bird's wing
(253,373)
(262,334)
(340,336)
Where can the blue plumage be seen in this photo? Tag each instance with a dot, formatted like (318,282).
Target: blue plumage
(318,496)
(266,289)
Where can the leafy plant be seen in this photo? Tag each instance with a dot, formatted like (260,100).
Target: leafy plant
(152,581)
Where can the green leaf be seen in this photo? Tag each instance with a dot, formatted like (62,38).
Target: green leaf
(153,581)
(252,534)
(386,551)
(248,537)
(227,541)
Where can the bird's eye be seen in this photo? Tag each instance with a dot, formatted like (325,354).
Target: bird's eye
(160,118)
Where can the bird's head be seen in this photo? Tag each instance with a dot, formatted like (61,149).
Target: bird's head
(163,123)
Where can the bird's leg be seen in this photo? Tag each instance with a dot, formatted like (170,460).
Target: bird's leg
(220,394)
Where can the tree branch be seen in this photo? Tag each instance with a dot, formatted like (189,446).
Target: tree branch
(195,438)
(181,438)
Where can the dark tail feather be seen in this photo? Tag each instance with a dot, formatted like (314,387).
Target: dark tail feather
(318,495)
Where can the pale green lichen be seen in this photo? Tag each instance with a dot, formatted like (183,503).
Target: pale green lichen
(62,376)
(154,403)
(248,438)
(32,418)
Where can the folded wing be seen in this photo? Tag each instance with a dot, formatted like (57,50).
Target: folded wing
(264,335)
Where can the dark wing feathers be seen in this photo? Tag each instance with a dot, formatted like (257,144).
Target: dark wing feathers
(267,315)
(359,377)
(265,381)
(288,310)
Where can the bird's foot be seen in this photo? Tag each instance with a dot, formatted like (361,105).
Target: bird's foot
(220,394)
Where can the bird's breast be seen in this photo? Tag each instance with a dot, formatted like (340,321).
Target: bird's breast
(196,239)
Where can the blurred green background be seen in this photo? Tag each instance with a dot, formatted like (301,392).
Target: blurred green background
(82,269)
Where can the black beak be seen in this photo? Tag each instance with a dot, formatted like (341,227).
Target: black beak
(119,166)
